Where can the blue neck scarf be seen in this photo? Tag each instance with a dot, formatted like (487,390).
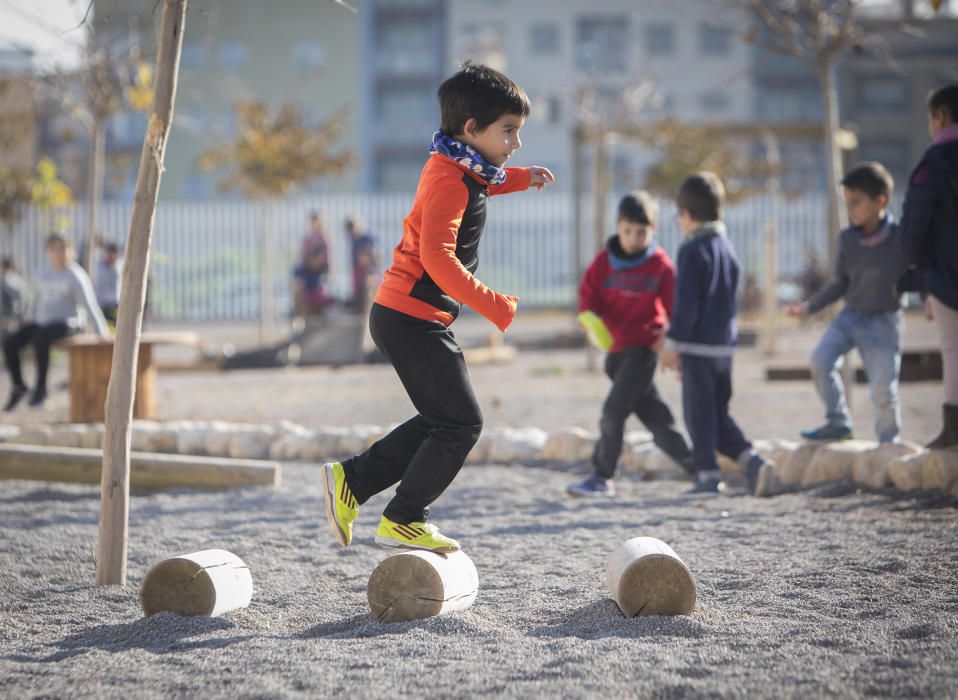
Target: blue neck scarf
(468,157)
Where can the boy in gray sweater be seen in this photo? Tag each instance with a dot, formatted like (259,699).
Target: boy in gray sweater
(868,270)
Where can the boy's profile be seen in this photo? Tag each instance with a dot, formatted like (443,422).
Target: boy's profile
(868,270)
(432,275)
(701,340)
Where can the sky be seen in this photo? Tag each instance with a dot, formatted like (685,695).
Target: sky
(46,26)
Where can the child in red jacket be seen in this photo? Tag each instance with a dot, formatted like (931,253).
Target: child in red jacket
(629,286)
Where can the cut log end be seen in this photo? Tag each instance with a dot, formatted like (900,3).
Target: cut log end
(646,577)
(417,585)
(209,583)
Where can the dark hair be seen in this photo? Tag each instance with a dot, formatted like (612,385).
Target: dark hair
(871,178)
(111,248)
(56,239)
(481,93)
(638,206)
(702,195)
(944,98)
(6,263)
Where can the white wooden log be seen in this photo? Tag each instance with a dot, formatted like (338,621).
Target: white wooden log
(415,585)
(939,471)
(635,459)
(792,472)
(34,435)
(149,471)
(834,461)
(906,472)
(211,582)
(871,468)
(568,445)
(69,435)
(646,577)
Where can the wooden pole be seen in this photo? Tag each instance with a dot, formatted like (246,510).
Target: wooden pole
(115,479)
(97,161)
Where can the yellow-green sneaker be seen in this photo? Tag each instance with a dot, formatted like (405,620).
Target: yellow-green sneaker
(341,506)
(414,536)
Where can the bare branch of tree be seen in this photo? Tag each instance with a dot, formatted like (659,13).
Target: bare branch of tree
(82,21)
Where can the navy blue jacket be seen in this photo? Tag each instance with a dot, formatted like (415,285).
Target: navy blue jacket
(930,221)
(703,317)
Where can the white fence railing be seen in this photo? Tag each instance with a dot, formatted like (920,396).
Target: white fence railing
(209,258)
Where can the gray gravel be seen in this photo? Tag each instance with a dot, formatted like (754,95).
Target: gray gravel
(827,593)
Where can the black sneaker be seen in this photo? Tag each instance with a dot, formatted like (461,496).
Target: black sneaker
(38,397)
(706,486)
(828,433)
(16,396)
(760,474)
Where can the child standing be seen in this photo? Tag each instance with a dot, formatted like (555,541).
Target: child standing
(868,270)
(432,275)
(629,286)
(930,232)
(701,341)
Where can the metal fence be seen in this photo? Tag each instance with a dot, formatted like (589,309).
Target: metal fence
(209,258)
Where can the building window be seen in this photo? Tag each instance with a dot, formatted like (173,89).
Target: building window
(790,104)
(406,115)
(883,93)
(308,55)
(602,44)
(232,53)
(659,39)
(713,41)
(544,39)
(714,101)
(482,42)
(193,55)
(407,48)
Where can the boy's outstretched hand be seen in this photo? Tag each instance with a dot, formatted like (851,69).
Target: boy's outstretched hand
(541,177)
(669,359)
(799,308)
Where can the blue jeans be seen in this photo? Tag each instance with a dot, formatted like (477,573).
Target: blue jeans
(878,339)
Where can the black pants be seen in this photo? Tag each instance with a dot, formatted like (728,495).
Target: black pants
(632,372)
(706,392)
(41,337)
(425,453)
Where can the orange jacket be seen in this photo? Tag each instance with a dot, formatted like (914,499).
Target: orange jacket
(433,267)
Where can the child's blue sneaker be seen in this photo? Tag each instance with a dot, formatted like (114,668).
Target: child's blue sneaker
(707,484)
(594,486)
(828,433)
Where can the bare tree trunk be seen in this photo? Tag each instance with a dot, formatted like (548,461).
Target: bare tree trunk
(115,479)
(97,160)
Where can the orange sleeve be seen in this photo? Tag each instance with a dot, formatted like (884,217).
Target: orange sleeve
(442,212)
(517,180)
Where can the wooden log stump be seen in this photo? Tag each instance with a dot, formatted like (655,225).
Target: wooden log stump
(211,583)
(646,577)
(416,585)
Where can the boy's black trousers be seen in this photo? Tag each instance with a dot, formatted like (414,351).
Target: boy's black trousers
(632,372)
(425,453)
(706,392)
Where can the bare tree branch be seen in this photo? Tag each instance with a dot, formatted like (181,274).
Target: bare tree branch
(82,21)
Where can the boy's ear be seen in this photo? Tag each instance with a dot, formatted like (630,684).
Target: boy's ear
(883,198)
(469,128)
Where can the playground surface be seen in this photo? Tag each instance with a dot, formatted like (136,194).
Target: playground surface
(824,593)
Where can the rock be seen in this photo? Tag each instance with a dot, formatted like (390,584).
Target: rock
(510,445)
(9,433)
(871,468)
(635,458)
(479,454)
(793,471)
(251,443)
(657,461)
(141,435)
(192,440)
(218,436)
(834,460)
(568,445)
(940,471)
(34,435)
(357,439)
(633,438)
(906,472)
(289,441)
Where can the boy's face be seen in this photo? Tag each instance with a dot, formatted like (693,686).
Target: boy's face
(938,120)
(57,255)
(497,141)
(633,236)
(686,223)
(864,211)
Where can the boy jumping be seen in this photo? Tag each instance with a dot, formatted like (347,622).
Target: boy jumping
(701,340)
(432,275)
(629,286)
(869,268)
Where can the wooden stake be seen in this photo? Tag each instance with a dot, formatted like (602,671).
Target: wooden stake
(115,479)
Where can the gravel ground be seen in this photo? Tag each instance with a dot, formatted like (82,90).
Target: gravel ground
(825,593)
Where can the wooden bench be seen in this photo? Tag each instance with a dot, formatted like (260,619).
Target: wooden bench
(90,360)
